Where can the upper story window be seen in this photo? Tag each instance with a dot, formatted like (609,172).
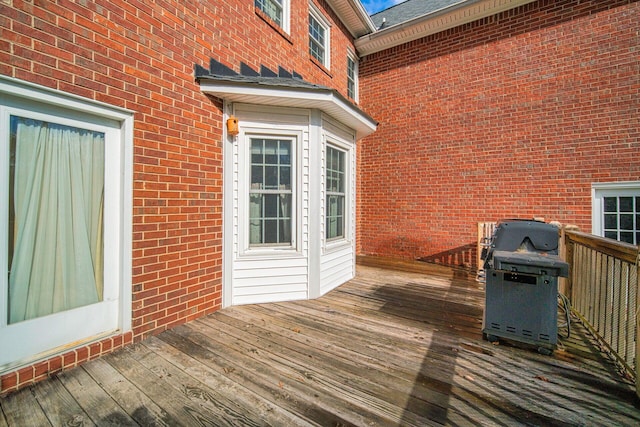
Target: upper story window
(352,77)
(319,36)
(277,10)
(616,211)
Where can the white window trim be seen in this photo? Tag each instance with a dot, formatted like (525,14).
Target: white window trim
(324,22)
(601,190)
(31,100)
(244,173)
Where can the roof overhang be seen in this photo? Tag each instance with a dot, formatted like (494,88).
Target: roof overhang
(433,22)
(354,16)
(318,97)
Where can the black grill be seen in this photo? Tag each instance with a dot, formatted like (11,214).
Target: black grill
(522,269)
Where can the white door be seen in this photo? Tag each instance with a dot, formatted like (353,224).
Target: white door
(59,216)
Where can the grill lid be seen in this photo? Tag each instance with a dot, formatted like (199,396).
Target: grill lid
(533,236)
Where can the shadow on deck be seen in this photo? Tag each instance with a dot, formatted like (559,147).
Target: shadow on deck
(389,348)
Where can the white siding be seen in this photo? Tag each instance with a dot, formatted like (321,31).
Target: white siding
(311,266)
(268,275)
(337,262)
(337,267)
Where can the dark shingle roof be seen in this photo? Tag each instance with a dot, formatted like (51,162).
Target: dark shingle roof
(408,10)
(267,77)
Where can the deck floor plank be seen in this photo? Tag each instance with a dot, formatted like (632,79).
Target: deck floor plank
(22,409)
(93,399)
(135,403)
(388,348)
(350,376)
(360,365)
(277,387)
(3,420)
(302,380)
(221,389)
(59,405)
(158,386)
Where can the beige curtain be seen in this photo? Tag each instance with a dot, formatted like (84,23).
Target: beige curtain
(58,197)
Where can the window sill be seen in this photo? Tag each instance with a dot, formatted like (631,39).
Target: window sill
(321,66)
(267,253)
(266,18)
(337,245)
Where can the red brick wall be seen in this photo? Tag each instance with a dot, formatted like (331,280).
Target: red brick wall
(140,55)
(515,115)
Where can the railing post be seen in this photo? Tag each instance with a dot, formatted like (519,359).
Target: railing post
(568,257)
(637,323)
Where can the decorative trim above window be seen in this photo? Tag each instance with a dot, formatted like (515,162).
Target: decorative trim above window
(319,37)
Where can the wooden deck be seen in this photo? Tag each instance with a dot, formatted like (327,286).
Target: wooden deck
(388,348)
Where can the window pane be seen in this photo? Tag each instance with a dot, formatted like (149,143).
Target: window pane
(611,221)
(271,152)
(626,236)
(626,204)
(257,151)
(285,152)
(611,204)
(255,218)
(270,205)
(271,177)
(285,178)
(257,179)
(611,235)
(626,222)
(270,231)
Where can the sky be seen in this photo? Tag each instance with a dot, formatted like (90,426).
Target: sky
(373,6)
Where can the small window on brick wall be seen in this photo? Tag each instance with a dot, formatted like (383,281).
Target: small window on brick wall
(352,77)
(616,211)
(319,36)
(276,10)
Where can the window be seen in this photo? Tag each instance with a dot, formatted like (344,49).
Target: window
(336,178)
(65,229)
(318,36)
(56,176)
(271,192)
(352,77)
(272,8)
(616,212)
(622,218)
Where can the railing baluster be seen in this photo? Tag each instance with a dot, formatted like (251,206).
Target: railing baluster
(604,291)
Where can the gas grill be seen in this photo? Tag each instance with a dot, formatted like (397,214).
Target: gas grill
(522,269)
